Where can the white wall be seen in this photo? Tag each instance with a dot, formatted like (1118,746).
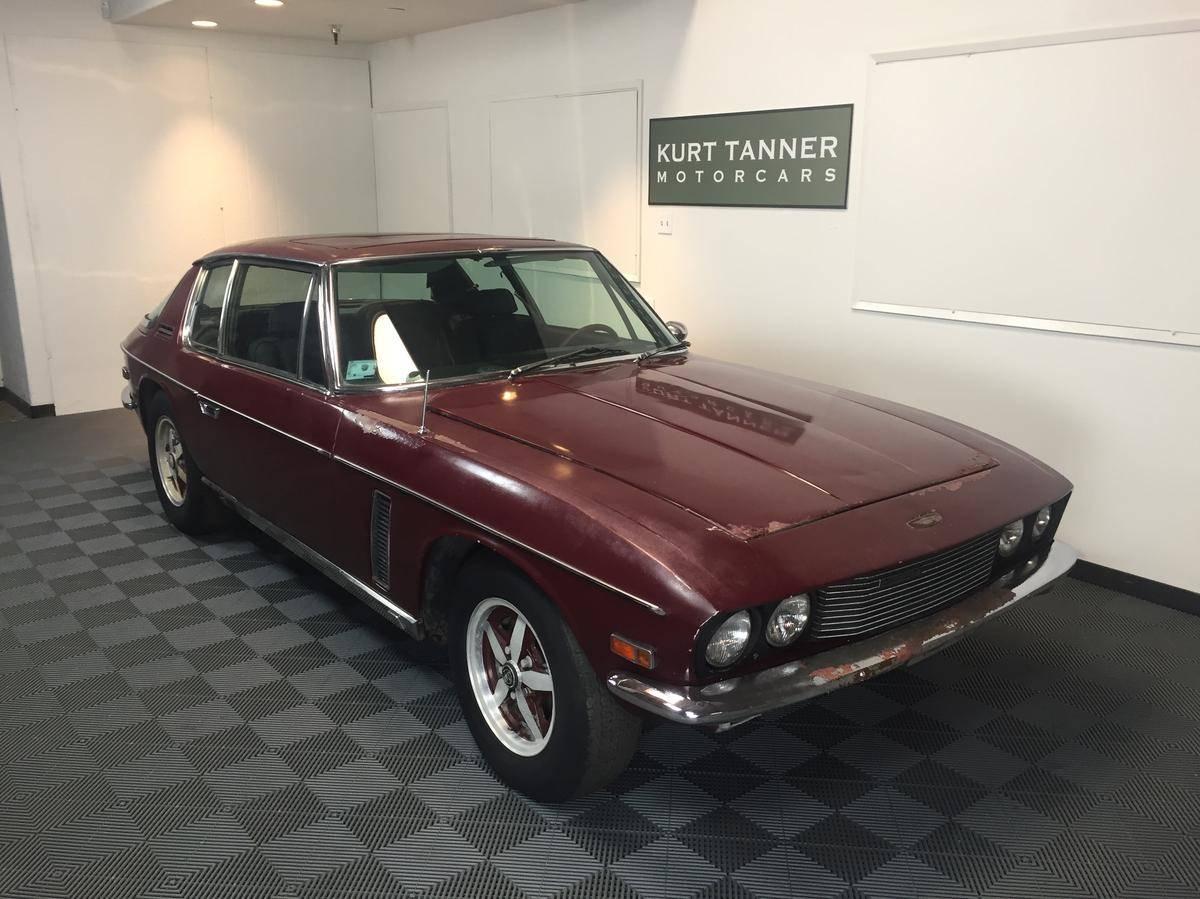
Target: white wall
(125,153)
(773,287)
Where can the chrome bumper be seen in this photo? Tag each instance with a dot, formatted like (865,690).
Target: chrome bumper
(127,399)
(740,698)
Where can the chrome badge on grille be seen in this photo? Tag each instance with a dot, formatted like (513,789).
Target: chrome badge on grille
(926,519)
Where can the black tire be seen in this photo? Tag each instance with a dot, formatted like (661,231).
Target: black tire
(593,735)
(197,514)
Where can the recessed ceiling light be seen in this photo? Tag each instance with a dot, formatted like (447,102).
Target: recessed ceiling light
(270,3)
(203,23)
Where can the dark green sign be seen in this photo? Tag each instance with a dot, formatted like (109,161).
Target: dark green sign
(776,157)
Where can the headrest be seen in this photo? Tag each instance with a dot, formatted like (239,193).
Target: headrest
(493,301)
(285,318)
(449,283)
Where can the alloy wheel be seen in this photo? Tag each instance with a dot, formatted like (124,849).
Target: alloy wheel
(172,467)
(510,676)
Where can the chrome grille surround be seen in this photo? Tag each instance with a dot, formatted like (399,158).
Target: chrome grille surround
(885,599)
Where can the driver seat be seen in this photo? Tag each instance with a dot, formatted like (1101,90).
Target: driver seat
(495,327)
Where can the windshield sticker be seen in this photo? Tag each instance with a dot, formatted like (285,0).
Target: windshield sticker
(360,369)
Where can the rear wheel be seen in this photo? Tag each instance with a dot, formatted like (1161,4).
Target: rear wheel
(540,715)
(186,500)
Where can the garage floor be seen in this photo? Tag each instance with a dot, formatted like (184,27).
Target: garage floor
(185,718)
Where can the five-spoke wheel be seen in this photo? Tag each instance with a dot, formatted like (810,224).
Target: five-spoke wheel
(543,719)
(510,676)
(172,467)
(187,502)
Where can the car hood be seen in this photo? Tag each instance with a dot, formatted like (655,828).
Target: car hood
(748,451)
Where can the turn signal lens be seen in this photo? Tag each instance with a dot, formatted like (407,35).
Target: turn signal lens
(1041,522)
(631,652)
(1010,537)
(729,641)
(788,620)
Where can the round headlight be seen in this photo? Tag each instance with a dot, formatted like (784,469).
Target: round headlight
(729,641)
(1041,522)
(788,620)
(1010,537)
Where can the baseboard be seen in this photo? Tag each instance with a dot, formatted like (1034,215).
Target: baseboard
(1141,587)
(23,407)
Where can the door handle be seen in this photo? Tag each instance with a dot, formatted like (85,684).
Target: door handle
(212,410)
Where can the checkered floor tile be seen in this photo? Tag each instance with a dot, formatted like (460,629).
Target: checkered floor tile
(210,718)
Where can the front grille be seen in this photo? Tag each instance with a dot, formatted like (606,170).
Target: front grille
(885,599)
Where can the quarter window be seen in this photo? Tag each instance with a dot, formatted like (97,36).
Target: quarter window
(266,317)
(206,319)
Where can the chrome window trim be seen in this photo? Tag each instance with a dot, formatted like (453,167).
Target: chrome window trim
(189,314)
(221,355)
(645,603)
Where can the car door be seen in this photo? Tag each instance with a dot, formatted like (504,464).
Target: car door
(265,424)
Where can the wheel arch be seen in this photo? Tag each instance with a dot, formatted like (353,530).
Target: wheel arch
(445,557)
(147,389)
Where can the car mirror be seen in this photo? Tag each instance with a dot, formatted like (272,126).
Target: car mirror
(678,330)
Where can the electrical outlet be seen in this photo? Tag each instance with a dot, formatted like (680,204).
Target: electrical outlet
(664,225)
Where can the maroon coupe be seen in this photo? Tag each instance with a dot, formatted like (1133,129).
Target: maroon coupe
(499,445)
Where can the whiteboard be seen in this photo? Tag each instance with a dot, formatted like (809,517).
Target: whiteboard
(1048,182)
(412,170)
(568,167)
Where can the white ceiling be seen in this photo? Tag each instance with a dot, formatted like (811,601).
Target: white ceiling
(362,21)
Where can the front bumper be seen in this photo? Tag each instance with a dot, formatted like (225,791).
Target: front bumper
(127,398)
(740,698)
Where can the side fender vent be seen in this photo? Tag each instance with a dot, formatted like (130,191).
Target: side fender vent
(381,539)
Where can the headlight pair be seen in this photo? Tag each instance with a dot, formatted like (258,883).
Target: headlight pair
(1011,534)
(732,637)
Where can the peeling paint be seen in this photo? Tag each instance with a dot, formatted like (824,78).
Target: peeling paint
(749,532)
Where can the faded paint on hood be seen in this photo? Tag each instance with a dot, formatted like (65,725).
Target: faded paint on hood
(749,451)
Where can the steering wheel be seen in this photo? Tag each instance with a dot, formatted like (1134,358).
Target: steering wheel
(598,329)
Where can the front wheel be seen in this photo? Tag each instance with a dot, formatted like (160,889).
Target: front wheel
(539,714)
(186,500)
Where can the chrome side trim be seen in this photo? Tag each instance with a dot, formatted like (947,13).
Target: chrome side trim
(222,406)
(262,424)
(644,603)
(738,699)
(338,575)
(160,373)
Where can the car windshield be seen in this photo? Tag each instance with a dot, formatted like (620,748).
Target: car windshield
(455,316)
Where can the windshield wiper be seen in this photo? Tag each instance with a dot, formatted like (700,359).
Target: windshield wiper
(669,348)
(579,353)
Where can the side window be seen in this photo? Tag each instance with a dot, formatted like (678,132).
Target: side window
(206,318)
(265,316)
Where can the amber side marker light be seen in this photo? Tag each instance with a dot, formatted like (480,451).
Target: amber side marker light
(631,652)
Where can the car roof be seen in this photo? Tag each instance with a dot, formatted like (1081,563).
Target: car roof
(320,249)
